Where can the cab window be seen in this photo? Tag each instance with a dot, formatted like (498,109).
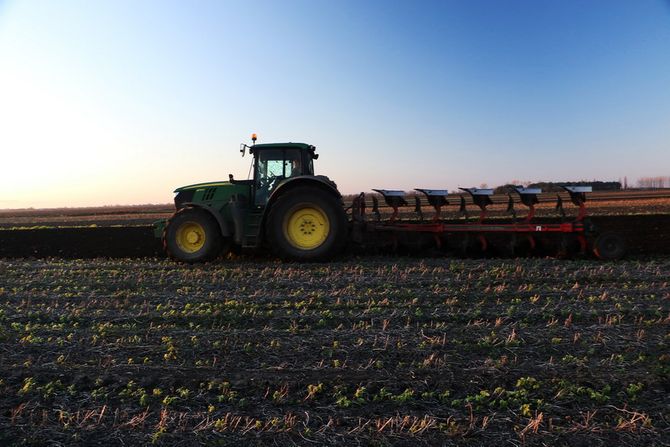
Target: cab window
(272,166)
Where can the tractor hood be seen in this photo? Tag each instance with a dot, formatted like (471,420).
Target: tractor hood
(201,185)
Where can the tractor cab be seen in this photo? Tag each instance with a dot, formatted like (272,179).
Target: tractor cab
(277,162)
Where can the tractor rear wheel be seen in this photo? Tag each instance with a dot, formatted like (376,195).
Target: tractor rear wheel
(609,246)
(306,224)
(192,235)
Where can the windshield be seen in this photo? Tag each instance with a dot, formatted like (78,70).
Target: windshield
(272,166)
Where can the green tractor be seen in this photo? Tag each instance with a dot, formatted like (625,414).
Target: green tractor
(285,207)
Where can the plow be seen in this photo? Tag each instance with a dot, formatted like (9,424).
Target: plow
(515,236)
(298,215)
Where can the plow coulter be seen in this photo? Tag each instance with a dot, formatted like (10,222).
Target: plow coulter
(480,235)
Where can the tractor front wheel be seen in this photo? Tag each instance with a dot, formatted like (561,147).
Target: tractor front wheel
(192,235)
(306,224)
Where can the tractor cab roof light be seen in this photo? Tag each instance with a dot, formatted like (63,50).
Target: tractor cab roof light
(244,147)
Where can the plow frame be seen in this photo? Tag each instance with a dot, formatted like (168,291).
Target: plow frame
(580,227)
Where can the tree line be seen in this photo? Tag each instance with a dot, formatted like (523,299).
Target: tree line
(654,182)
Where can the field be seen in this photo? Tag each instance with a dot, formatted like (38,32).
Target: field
(363,351)
(104,342)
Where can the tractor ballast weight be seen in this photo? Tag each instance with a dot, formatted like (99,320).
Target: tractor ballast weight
(301,216)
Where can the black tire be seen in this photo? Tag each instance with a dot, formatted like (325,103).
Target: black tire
(609,246)
(201,223)
(325,233)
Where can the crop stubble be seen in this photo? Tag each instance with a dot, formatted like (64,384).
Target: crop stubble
(372,350)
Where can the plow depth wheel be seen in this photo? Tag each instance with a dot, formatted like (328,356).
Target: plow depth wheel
(306,224)
(192,235)
(609,246)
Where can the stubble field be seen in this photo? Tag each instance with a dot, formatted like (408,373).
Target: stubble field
(363,351)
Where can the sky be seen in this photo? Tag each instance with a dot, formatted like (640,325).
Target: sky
(107,102)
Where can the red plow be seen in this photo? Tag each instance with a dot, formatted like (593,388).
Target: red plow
(515,235)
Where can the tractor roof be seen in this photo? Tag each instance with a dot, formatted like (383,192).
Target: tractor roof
(303,146)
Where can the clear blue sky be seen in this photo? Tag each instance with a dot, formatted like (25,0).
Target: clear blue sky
(106,102)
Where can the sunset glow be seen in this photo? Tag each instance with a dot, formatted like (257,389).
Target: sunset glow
(119,102)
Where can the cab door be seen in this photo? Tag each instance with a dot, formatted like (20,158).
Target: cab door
(272,167)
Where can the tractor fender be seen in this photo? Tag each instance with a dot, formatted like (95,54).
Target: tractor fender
(320,181)
(223,225)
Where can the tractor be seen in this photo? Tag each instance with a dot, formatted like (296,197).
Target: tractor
(285,206)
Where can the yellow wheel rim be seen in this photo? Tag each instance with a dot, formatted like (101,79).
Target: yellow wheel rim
(307,228)
(190,237)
